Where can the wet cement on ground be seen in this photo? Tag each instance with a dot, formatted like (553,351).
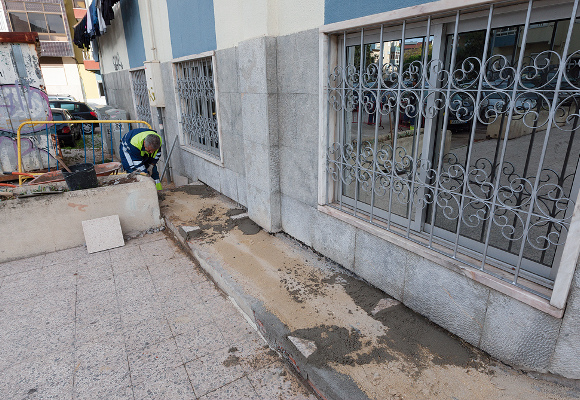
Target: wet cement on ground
(390,352)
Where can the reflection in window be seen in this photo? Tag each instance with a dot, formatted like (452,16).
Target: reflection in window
(37,23)
(19,22)
(55,23)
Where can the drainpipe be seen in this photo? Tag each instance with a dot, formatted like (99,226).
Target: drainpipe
(159,109)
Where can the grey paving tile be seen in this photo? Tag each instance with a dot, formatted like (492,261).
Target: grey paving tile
(221,307)
(23,281)
(158,253)
(145,333)
(34,341)
(101,370)
(183,321)
(22,265)
(92,274)
(125,259)
(119,391)
(207,289)
(181,297)
(200,342)
(255,354)
(173,385)
(49,377)
(276,382)
(238,390)
(137,312)
(91,326)
(236,329)
(76,254)
(214,370)
(95,292)
(153,362)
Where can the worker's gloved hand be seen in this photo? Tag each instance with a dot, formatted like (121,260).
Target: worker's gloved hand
(158,186)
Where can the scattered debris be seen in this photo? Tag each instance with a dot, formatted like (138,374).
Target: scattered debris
(190,232)
(383,304)
(306,347)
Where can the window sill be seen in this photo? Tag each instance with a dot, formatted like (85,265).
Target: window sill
(481,277)
(201,154)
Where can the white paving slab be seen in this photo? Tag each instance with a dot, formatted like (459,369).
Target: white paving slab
(103,233)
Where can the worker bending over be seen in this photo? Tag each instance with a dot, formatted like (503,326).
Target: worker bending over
(140,151)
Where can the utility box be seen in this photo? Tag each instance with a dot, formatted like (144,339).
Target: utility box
(154,83)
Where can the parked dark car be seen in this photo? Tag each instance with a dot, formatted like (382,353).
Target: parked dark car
(78,110)
(67,134)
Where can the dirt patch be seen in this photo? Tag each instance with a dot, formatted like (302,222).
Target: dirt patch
(410,334)
(334,344)
(231,361)
(247,226)
(198,190)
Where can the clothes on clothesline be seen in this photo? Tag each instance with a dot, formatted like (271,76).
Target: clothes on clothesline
(94,23)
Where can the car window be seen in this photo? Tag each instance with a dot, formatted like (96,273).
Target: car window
(57,117)
(54,104)
(66,106)
(84,108)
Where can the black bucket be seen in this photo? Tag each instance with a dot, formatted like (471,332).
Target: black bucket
(82,176)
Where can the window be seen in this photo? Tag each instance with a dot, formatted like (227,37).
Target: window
(46,19)
(459,131)
(197,102)
(141,95)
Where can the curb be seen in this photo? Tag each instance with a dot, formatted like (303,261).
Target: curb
(326,383)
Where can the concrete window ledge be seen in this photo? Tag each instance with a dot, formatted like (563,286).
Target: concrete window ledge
(481,277)
(48,223)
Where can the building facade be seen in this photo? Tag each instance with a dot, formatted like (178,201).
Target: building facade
(429,147)
(62,66)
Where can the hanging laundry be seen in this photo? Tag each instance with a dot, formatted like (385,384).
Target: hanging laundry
(94,30)
(80,36)
(107,9)
(102,25)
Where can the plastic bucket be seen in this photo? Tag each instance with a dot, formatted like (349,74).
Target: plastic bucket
(82,176)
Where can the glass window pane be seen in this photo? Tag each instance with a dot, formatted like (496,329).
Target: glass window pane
(55,23)
(37,23)
(19,22)
(67,106)
(57,117)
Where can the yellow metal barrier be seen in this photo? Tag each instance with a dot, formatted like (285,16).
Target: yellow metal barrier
(96,121)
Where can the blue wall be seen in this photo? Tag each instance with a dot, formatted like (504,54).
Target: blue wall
(341,10)
(192,26)
(133,32)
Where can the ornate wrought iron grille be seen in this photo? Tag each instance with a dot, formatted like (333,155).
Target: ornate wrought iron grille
(141,95)
(195,87)
(458,131)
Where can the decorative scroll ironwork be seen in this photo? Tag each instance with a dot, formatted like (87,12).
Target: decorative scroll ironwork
(141,95)
(503,185)
(196,91)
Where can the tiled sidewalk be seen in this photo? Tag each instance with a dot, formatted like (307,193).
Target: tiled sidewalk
(137,322)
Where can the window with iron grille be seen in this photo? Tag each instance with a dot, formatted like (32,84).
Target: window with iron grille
(141,95)
(457,130)
(197,103)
